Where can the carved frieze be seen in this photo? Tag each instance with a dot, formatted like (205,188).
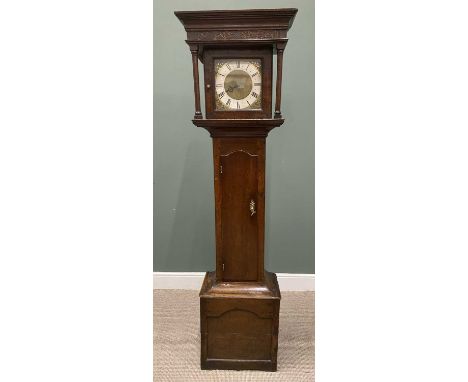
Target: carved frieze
(236,35)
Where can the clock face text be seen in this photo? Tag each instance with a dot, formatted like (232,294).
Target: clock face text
(238,84)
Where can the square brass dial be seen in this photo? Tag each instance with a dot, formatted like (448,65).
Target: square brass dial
(238,84)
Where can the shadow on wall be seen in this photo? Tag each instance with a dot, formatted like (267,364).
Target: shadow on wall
(192,239)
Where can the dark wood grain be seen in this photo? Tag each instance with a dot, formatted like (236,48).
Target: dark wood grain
(196,82)
(252,128)
(239,188)
(239,324)
(231,27)
(239,301)
(279,77)
(240,236)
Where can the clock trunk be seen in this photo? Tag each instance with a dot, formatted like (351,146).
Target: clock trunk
(240,206)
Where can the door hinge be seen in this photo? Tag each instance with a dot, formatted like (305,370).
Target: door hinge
(223,267)
(221,169)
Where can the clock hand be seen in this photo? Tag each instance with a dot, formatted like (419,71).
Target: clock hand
(231,88)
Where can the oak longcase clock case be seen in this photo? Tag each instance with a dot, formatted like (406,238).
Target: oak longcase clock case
(239,300)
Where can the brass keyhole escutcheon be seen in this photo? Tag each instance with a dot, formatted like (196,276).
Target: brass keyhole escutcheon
(252,208)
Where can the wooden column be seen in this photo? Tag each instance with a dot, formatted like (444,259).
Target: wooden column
(279,77)
(196,82)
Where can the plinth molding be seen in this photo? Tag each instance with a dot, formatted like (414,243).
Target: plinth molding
(193,280)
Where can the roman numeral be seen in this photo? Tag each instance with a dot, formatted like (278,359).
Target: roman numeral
(254,94)
(248,102)
(247,66)
(228,102)
(253,75)
(228,66)
(220,95)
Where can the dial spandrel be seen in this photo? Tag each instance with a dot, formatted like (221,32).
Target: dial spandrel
(238,84)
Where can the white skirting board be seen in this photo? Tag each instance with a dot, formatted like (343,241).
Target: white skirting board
(193,280)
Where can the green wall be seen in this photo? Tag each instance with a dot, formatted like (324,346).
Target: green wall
(184,237)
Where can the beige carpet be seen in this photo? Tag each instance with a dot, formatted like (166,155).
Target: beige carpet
(176,340)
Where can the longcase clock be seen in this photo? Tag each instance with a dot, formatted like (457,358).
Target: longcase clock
(239,301)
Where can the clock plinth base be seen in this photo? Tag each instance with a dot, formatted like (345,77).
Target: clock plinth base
(239,324)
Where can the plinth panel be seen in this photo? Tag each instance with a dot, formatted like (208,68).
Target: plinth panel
(250,334)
